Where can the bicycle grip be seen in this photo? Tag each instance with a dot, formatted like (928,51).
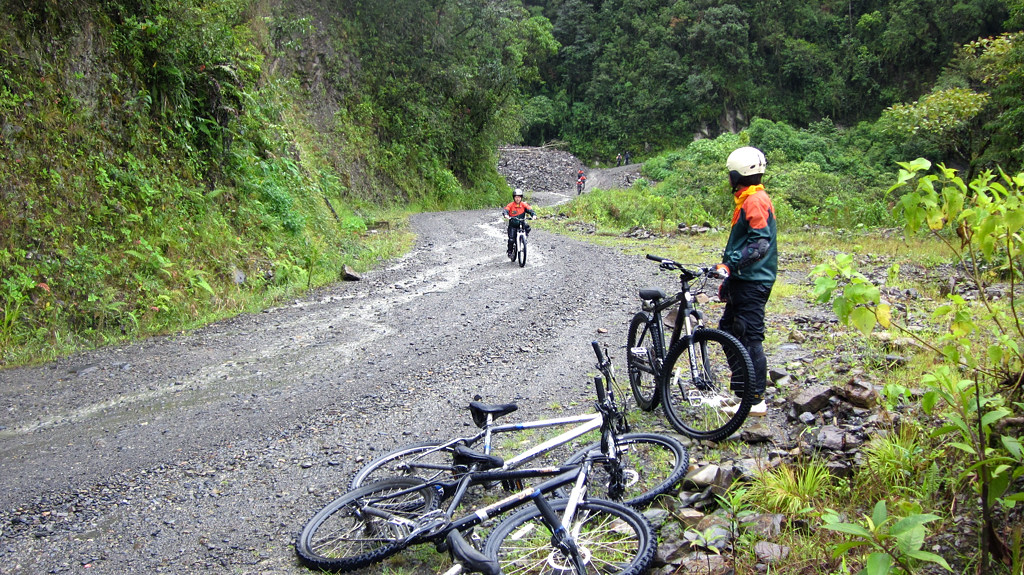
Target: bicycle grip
(655,258)
(599,385)
(597,352)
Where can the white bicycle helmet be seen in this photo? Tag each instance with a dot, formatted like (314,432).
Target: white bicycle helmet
(517,192)
(746,161)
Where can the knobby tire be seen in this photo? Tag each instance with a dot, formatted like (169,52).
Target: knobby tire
(642,377)
(653,463)
(340,537)
(712,406)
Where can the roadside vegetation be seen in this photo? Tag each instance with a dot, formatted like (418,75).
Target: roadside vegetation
(947,472)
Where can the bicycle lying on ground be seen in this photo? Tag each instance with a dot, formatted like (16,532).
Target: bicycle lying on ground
(576,534)
(652,463)
(698,374)
(518,251)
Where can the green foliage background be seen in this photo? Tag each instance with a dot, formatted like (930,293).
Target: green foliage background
(643,75)
(165,163)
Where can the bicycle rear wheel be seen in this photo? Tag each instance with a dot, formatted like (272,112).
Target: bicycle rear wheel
(343,537)
(427,460)
(703,382)
(612,538)
(641,356)
(521,247)
(653,464)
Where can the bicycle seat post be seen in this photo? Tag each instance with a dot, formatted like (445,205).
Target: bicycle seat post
(487,434)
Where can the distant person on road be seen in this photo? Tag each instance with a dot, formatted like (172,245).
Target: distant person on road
(516,212)
(618,160)
(626,157)
(749,264)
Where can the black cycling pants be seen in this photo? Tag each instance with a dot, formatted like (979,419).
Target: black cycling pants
(743,318)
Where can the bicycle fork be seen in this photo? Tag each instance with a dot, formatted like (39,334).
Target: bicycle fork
(564,530)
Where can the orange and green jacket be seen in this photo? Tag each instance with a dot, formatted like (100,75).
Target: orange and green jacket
(752,253)
(517,210)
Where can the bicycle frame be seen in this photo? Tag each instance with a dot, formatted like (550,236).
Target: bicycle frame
(437,526)
(584,424)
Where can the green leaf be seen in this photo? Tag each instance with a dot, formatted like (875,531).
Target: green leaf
(879,515)
(878,564)
(931,557)
(823,288)
(849,529)
(910,539)
(964,447)
(993,416)
(863,319)
(844,547)
(1013,445)
(842,308)
(911,522)
(1014,220)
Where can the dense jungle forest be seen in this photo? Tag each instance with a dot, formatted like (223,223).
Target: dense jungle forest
(164,163)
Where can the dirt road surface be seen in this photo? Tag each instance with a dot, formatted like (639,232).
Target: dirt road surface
(208,451)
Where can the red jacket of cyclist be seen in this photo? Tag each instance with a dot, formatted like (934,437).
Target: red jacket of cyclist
(516,211)
(750,263)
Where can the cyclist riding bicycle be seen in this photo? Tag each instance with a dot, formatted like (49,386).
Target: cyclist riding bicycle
(516,212)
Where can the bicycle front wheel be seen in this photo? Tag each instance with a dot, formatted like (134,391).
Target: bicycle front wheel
(521,245)
(652,464)
(703,382)
(611,537)
(343,536)
(427,460)
(641,357)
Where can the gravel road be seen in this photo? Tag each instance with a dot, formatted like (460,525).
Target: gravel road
(208,451)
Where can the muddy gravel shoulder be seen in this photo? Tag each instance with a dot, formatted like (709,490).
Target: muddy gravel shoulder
(209,450)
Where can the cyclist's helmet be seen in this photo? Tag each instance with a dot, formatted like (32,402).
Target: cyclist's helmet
(517,193)
(746,166)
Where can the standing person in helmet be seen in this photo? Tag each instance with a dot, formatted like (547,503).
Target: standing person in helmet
(749,263)
(516,212)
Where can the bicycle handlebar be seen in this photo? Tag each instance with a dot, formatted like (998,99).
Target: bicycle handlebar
(667,264)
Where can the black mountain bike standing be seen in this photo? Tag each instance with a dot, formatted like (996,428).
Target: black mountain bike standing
(572,535)
(518,251)
(698,374)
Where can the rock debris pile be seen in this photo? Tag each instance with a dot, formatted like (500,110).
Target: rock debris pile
(539,169)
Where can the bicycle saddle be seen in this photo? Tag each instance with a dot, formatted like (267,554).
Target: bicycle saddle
(652,294)
(480,411)
(466,456)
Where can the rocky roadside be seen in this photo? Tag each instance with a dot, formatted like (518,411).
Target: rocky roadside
(825,408)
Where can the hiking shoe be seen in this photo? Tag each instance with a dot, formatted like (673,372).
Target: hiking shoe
(756,410)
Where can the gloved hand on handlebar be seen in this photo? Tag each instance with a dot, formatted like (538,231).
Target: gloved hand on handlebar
(722,271)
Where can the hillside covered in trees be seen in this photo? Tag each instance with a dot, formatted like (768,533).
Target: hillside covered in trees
(164,163)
